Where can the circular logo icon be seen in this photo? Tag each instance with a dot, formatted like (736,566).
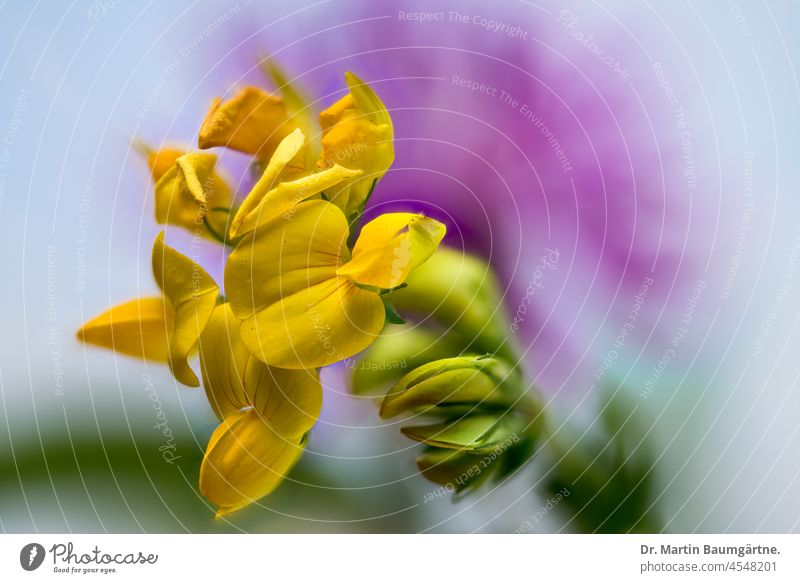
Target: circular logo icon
(31,556)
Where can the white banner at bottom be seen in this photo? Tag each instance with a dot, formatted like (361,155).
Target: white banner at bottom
(355,558)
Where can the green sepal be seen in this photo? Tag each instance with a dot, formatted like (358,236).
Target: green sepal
(391,313)
(467,433)
(458,471)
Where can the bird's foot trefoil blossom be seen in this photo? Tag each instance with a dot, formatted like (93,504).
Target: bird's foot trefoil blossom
(299,294)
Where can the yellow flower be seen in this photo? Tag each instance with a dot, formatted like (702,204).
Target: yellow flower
(252,121)
(357,133)
(140,328)
(304,300)
(271,196)
(266,411)
(192,294)
(190,193)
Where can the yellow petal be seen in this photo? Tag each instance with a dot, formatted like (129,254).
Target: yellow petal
(357,133)
(316,326)
(281,280)
(336,112)
(245,460)
(390,246)
(289,147)
(282,199)
(189,191)
(289,400)
(139,328)
(286,256)
(162,160)
(252,121)
(367,101)
(223,361)
(192,293)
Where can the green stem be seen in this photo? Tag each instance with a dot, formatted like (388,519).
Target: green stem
(221,238)
(356,218)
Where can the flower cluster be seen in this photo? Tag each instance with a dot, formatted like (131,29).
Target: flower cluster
(305,285)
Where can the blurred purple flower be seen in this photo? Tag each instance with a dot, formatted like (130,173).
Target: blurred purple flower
(527,136)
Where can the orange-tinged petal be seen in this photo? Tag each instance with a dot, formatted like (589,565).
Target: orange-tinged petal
(331,116)
(162,160)
(252,121)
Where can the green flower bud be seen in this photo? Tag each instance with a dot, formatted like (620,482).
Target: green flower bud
(505,448)
(462,293)
(477,433)
(454,386)
(398,351)
(457,471)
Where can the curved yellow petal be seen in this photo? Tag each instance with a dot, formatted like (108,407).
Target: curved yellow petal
(289,400)
(357,133)
(196,169)
(336,112)
(159,161)
(192,293)
(286,256)
(281,280)
(316,326)
(289,147)
(245,460)
(189,191)
(252,121)
(367,101)
(282,199)
(223,361)
(139,328)
(390,246)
